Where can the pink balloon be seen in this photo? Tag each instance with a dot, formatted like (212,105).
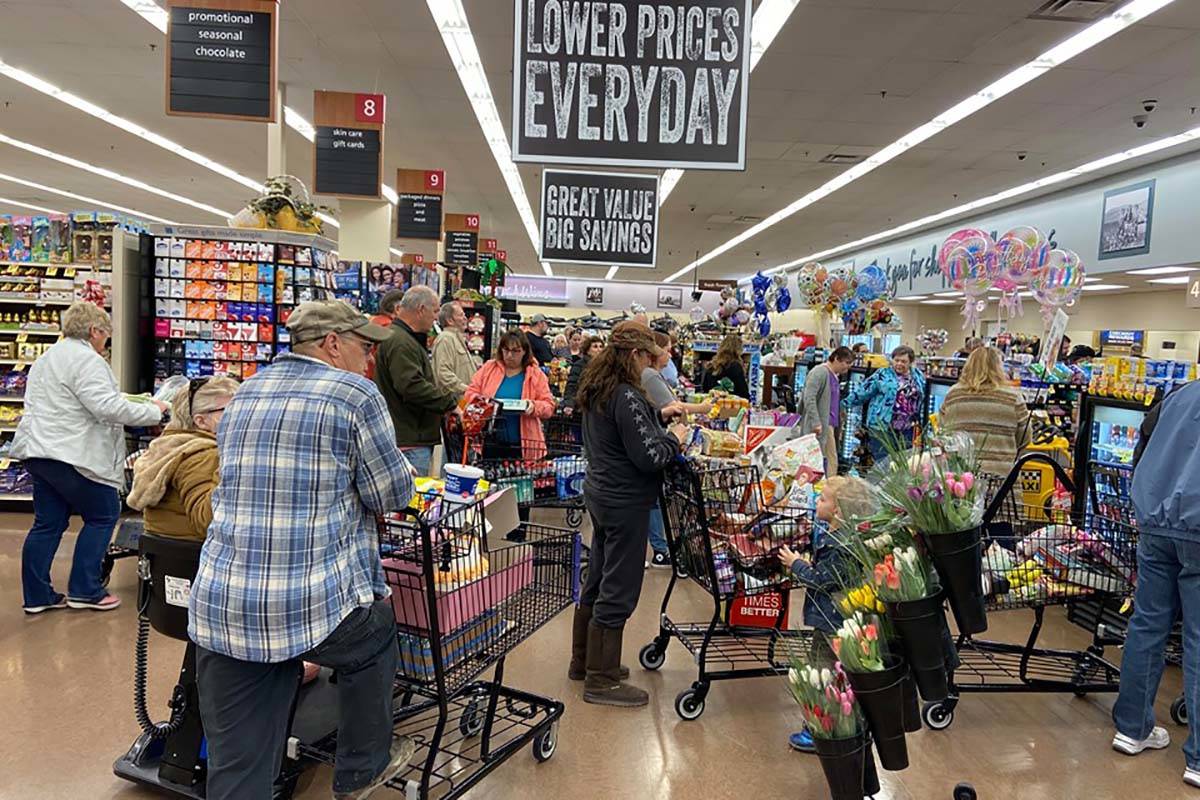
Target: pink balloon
(1020,253)
(1060,280)
(968,260)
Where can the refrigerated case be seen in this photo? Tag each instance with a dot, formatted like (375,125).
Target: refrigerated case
(1109,431)
(936,390)
(853,422)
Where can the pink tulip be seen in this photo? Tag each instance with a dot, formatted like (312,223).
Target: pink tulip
(871,633)
(968,480)
(847,709)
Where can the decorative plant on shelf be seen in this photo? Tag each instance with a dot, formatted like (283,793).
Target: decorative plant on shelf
(284,205)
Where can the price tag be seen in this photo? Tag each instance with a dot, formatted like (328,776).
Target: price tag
(435,180)
(20,367)
(70,273)
(369,107)
(5,463)
(22,337)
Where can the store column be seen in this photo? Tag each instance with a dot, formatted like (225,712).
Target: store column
(277,136)
(366,232)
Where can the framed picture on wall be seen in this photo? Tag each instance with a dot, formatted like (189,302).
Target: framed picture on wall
(594,296)
(670,299)
(1125,224)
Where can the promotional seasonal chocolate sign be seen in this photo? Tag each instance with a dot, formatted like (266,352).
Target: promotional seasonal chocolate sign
(222,58)
(348,150)
(648,84)
(608,218)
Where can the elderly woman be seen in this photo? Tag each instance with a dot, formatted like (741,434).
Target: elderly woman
(173,480)
(71,439)
(895,398)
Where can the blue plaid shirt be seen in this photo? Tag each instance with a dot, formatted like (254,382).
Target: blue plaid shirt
(308,456)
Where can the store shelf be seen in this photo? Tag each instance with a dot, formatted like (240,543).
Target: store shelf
(12,362)
(11,399)
(28,331)
(16,497)
(34,301)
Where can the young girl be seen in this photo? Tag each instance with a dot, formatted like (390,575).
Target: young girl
(831,568)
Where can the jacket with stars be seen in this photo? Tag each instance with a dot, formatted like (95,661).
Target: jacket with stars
(627,450)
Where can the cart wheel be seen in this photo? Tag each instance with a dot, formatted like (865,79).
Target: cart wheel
(545,743)
(106,568)
(965,791)
(680,572)
(471,722)
(651,656)
(688,706)
(1179,712)
(937,716)
(574,517)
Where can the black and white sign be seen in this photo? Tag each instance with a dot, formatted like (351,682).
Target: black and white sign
(646,84)
(608,218)
(462,248)
(419,216)
(347,161)
(221,63)
(594,296)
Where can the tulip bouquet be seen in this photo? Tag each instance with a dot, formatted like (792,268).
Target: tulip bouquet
(938,489)
(860,598)
(826,701)
(858,643)
(901,575)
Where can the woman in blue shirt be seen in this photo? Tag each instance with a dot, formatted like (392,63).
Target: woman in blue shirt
(895,396)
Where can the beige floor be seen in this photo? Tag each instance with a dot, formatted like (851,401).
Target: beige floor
(66,688)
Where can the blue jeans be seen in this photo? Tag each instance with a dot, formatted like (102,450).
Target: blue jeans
(1168,582)
(658,531)
(58,492)
(421,458)
(876,442)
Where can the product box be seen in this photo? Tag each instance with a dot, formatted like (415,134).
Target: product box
(40,241)
(455,608)
(416,656)
(22,236)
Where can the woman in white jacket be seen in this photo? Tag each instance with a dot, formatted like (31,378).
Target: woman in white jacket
(71,440)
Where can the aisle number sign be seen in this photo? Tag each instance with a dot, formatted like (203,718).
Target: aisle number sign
(348,149)
(462,240)
(222,59)
(1193,293)
(419,208)
(659,83)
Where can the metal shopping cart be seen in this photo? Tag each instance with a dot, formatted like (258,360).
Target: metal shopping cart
(462,604)
(1034,557)
(726,539)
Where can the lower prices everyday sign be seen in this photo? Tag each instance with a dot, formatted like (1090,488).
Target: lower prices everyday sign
(759,610)
(606,218)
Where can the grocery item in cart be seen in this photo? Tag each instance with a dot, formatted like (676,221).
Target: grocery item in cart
(458,602)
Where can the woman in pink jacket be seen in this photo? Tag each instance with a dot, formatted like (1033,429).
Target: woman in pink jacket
(514,375)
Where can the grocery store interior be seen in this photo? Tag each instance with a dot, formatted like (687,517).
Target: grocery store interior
(917,181)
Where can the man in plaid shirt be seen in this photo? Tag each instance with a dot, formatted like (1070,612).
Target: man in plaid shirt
(290,570)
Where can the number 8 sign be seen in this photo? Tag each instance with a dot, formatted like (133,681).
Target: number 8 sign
(369,108)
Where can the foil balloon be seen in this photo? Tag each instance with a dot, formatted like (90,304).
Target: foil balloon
(784,301)
(726,293)
(968,260)
(838,283)
(741,317)
(872,283)
(730,306)
(697,314)
(932,340)
(1020,254)
(1059,282)
(764,326)
(771,298)
(636,308)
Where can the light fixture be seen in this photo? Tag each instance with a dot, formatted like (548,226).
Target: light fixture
(1092,280)
(1161,270)
(43,209)
(938,302)
(914,297)
(1089,37)
(451,20)
(949,294)
(84,198)
(396,253)
(1103,287)
(612,273)
(768,20)
(1178,280)
(112,176)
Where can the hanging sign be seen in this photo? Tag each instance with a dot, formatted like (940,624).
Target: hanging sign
(462,240)
(535,290)
(348,151)
(715,285)
(1193,293)
(648,84)
(419,210)
(222,58)
(608,218)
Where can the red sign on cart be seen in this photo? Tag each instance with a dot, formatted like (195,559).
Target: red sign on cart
(760,610)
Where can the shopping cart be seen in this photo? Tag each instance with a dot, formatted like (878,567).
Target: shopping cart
(461,606)
(726,539)
(129,526)
(1034,557)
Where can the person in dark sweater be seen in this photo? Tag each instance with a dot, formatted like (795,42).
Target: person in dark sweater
(538,326)
(727,363)
(627,450)
(592,346)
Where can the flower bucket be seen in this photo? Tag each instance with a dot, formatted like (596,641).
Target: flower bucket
(958,558)
(920,625)
(911,703)
(881,697)
(844,762)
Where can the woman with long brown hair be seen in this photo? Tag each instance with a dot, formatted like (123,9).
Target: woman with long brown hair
(627,449)
(727,363)
(985,405)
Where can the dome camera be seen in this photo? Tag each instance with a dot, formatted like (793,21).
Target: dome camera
(1021,156)
(1140,121)
(1149,105)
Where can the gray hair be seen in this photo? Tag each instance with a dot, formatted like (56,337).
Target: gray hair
(419,297)
(209,397)
(81,317)
(390,300)
(904,350)
(447,312)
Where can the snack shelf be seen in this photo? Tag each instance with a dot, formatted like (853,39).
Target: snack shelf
(12,399)
(16,496)
(37,301)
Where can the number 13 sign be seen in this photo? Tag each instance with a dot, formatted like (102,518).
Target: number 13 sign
(369,108)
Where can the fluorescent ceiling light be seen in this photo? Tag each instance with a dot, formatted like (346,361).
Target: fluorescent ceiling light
(765,26)
(1161,270)
(1092,280)
(149,11)
(452,23)
(1176,281)
(6,201)
(938,302)
(949,294)
(1103,287)
(101,204)
(612,273)
(112,176)
(1089,37)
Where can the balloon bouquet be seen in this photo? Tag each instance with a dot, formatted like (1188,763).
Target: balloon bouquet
(932,340)
(860,298)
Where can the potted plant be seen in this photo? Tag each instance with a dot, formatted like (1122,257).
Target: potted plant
(830,710)
(877,677)
(282,207)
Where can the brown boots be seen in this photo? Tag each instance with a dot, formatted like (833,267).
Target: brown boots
(579,645)
(603,685)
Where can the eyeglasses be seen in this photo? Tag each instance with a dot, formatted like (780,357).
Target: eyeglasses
(367,346)
(195,385)
(513,350)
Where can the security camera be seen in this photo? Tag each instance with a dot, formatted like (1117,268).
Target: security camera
(693,209)
(1149,105)
(1140,121)
(696,296)
(1021,156)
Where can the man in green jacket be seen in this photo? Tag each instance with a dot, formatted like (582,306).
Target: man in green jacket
(405,378)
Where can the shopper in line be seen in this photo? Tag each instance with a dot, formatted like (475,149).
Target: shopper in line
(575,340)
(386,316)
(822,403)
(1166,501)
(173,481)
(538,327)
(985,405)
(71,439)
(405,377)
(592,346)
(453,363)
(627,449)
(660,395)
(727,363)
(560,347)
(288,575)
(895,396)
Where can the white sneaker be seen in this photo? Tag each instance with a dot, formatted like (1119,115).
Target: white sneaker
(1157,740)
(1192,777)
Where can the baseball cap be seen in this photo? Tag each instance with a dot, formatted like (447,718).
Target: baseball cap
(631,335)
(536,318)
(317,319)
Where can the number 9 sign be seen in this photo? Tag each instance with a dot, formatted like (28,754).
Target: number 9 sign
(435,181)
(369,108)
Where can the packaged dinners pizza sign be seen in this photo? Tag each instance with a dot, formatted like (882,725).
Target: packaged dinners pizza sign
(652,84)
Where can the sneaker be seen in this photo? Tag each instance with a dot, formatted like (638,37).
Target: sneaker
(1192,777)
(1157,740)
(106,603)
(60,601)
(402,752)
(660,560)
(802,742)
